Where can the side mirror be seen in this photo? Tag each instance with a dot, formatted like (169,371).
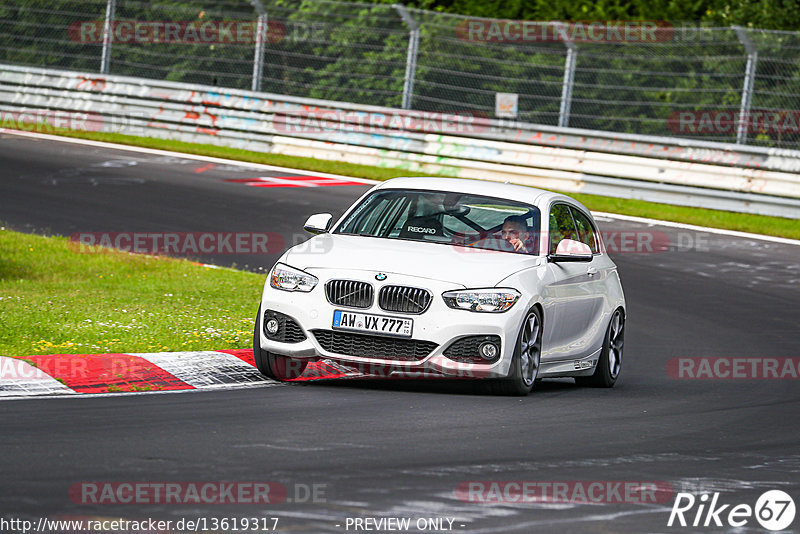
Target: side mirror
(571,250)
(318,223)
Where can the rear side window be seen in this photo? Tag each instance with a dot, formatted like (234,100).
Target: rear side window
(586,231)
(562,226)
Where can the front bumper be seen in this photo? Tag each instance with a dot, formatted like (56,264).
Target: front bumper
(439,325)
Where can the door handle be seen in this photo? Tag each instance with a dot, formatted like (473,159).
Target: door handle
(591,271)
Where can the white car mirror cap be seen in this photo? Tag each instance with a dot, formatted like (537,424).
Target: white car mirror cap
(570,247)
(318,223)
(569,250)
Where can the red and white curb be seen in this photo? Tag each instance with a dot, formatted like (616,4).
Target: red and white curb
(80,374)
(292,181)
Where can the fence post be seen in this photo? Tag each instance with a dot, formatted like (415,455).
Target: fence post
(747,88)
(411,56)
(262,28)
(569,79)
(108,36)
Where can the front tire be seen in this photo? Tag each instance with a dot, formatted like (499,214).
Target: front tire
(273,365)
(525,364)
(610,363)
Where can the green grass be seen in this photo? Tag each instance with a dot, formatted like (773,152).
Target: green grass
(55,299)
(759,224)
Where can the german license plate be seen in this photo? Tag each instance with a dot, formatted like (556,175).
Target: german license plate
(378,324)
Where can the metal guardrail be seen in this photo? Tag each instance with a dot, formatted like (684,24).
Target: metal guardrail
(651,77)
(676,171)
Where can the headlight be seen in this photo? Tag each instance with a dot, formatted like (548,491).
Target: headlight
(482,300)
(291,279)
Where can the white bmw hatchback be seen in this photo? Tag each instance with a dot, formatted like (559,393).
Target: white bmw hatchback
(451,278)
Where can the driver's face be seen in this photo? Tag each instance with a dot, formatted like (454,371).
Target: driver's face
(513,231)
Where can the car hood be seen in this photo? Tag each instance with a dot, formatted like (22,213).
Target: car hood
(459,265)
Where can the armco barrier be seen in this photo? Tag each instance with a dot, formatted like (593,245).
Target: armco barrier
(693,173)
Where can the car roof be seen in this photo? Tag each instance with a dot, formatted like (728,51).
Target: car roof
(521,193)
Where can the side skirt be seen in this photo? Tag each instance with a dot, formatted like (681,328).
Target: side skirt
(582,367)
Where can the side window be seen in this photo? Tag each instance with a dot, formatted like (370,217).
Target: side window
(561,226)
(586,231)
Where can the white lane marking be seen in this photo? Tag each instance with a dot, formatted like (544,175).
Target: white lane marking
(157,152)
(206,369)
(19,378)
(113,146)
(720,231)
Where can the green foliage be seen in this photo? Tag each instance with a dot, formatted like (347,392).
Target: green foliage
(768,14)
(357,52)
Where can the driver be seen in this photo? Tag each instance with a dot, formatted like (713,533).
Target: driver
(517,234)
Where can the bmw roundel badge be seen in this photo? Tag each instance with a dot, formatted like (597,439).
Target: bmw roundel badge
(380,277)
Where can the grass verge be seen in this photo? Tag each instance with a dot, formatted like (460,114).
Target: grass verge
(55,299)
(758,224)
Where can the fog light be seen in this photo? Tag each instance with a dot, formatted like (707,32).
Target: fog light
(487,350)
(272,327)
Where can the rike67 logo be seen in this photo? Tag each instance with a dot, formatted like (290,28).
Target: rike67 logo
(774,510)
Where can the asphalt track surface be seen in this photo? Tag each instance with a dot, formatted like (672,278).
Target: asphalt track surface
(400,449)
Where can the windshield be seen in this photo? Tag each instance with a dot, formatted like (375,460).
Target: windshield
(447,218)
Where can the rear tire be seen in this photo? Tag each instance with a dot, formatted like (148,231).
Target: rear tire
(527,358)
(273,365)
(610,363)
